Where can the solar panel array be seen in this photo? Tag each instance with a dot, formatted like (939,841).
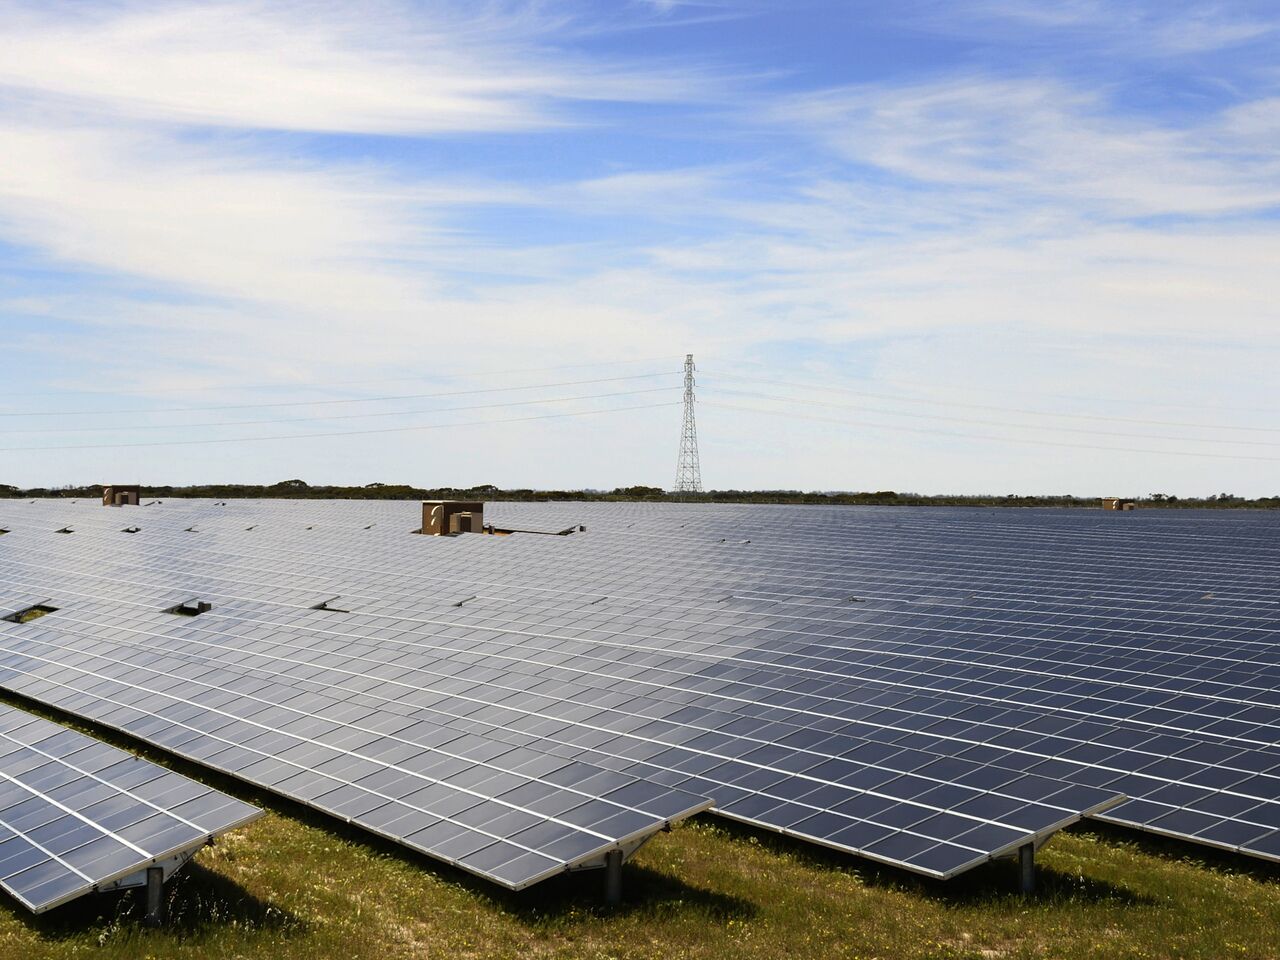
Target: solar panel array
(226,692)
(77,815)
(930,688)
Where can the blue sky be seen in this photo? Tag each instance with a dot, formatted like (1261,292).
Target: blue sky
(997,246)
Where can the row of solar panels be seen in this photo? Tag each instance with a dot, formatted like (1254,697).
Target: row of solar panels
(78,816)
(320,716)
(902,805)
(509,812)
(946,715)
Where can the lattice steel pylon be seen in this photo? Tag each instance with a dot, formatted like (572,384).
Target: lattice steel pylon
(688,472)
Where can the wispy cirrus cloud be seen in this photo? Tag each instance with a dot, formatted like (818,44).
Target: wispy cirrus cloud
(1030,139)
(1145,28)
(143,143)
(381,68)
(249,192)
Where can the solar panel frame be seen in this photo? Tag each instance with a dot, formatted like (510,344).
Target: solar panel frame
(787,567)
(611,825)
(78,816)
(971,855)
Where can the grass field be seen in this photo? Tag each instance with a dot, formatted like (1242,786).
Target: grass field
(297,885)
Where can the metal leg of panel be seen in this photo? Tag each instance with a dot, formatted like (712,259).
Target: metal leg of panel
(613,878)
(155,897)
(1027,868)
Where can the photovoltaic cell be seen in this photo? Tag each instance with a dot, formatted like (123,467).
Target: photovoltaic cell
(77,815)
(931,688)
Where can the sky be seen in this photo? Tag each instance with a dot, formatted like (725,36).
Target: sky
(998,246)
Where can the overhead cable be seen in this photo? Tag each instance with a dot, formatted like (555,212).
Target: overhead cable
(318,403)
(340,433)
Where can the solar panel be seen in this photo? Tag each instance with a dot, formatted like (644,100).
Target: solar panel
(77,815)
(534,707)
(930,688)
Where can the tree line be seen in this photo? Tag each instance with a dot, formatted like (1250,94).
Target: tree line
(300,489)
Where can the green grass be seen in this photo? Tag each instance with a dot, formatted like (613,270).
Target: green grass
(294,885)
(31,613)
(297,885)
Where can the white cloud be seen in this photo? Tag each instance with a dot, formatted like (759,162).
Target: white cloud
(209,222)
(1025,141)
(374,68)
(1142,29)
(977,228)
(265,258)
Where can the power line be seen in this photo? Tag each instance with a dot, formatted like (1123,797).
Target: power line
(331,417)
(1127,401)
(142,391)
(935,385)
(998,409)
(979,436)
(1092,431)
(341,433)
(317,403)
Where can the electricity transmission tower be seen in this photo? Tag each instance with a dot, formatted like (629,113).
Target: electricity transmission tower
(688,473)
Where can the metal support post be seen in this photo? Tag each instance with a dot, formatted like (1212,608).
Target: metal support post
(1027,867)
(155,897)
(613,878)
